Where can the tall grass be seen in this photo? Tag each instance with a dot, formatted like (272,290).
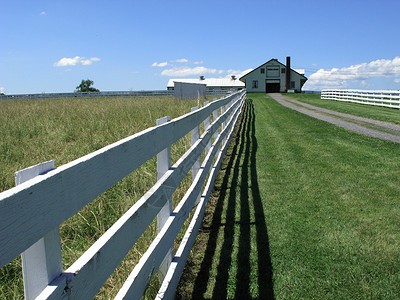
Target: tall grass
(34,131)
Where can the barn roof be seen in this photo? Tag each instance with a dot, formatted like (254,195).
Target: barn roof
(210,82)
(298,71)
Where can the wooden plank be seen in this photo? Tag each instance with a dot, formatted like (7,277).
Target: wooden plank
(41,262)
(93,268)
(32,209)
(170,283)
(168,287)
(137,280)
(33,171)
(85,277)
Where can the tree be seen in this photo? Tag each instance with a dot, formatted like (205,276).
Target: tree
(86,86)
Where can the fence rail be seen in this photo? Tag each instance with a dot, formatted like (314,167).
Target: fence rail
(385,98)
(101,94)
(31,212)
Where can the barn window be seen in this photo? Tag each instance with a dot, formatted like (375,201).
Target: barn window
(283,70)
(292,84)
(255,84)
(262,70)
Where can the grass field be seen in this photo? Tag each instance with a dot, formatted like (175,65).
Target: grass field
(301,210)
(35,131)
(362,110)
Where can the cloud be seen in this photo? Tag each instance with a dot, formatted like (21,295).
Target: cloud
(156,64)
(187,71)
(397,80)
(77,60)
(356,74)
(43,13)
(196,71)
(181,60)
(238,73)
(1,90)
(198,62)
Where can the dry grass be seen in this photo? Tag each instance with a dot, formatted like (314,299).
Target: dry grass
(34,131)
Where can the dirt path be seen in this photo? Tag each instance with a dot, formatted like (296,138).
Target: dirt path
(332,117)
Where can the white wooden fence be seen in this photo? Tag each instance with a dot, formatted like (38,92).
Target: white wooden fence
(31,212)
(103,94)
(384,98)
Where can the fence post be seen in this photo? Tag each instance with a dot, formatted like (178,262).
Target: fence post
(223,123)
(196,166)
(207,123)
(215,116)
(42,262)
(163,165)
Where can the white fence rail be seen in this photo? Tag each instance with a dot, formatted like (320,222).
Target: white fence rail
(384,98)
(102,94)
(31,212)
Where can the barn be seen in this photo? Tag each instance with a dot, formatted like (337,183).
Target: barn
(274,77)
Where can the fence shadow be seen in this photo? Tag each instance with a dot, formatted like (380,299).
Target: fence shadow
(239,182)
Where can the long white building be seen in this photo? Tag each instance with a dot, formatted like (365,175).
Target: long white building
(231,83)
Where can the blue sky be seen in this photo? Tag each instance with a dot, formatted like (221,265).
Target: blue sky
(50,46)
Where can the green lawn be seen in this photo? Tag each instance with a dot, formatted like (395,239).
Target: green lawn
(362,110)
(301,209)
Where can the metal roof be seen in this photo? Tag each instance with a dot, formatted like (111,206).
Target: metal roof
(210,82)
(274,59)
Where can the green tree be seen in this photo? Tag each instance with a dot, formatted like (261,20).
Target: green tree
(86,86)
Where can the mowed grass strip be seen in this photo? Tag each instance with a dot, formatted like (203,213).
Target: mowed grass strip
(384,114)
(301,209)
(35,131)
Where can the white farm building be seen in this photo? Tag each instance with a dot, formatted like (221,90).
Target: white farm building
(228,84)
(274,77)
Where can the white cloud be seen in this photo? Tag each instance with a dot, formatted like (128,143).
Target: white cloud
(77,60)
(238,73)
(187,71)
(196,71)
(162,64)
(397,80)
(43,13)
(340,78)
(181,60)
(1,90)
(198,62)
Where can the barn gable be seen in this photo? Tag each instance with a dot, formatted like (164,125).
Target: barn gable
(271,77)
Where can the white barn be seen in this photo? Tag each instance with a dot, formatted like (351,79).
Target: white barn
(274,77)
(227,84)
(184,90)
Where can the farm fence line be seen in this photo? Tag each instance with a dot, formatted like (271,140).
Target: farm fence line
(44,197)
(385,98)
(103,94)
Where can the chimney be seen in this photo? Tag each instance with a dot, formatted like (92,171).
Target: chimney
(233,77)
(287,73)
(202,77)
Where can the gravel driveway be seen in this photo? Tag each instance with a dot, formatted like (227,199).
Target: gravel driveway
(337,119)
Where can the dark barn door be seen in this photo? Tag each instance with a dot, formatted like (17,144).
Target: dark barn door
(272,87)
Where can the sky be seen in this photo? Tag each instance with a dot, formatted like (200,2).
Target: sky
(50,46)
